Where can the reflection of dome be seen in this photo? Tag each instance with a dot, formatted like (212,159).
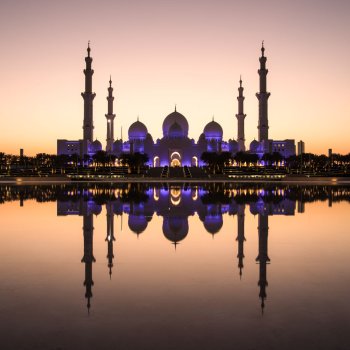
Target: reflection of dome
(171,119)
(213,224)
(137,130)
(213,130)
(175,229)
(175,131)
(137,223)
(93,208)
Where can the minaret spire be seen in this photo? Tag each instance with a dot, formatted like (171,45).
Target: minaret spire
(263,258)
(240,117)
(263,96)
(88,258)
(110,118)
(88,96)
(110,236)
(240,237)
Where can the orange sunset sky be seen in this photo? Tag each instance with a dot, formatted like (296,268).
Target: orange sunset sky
(164,52)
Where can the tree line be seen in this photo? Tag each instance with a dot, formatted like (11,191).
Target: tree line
(215,162)
(44,162)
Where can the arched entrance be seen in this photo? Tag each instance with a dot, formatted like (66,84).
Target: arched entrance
(156,161)
(175,159)
(194,161)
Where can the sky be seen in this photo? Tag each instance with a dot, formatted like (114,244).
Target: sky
(165,52)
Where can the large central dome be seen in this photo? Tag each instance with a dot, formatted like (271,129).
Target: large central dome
(173,118)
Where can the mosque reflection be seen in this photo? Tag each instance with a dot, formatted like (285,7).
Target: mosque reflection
(175,204)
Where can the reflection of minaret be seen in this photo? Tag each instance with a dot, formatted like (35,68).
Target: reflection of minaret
(263,96)
(240,237)
(88,97)
(110,236)
(263,258)
(88,257)
(110,119)
(240,118)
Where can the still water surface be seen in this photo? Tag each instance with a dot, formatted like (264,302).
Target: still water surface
(138,267)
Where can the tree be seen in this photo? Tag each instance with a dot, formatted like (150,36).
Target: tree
(134,161)
(223,159)
(2,159)
(86,159)
(267,158)
(276,158)
(100,158)
(252,158)
(245,157)
(61,161)
(210,158)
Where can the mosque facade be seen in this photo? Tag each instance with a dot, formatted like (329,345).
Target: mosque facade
(175,148)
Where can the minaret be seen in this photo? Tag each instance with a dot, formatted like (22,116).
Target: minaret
(88,97)
(240,118)
(88,257)
(110,236)
(110,118)
(240,237)
(263,259)
(263,96)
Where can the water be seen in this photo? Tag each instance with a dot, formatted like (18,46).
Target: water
(172,267)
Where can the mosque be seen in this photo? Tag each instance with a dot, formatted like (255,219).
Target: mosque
(175,148)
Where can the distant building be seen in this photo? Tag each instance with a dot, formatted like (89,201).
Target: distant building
(301,147)
(175,148)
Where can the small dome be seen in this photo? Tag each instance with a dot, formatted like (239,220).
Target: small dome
(176,130)
(171,119)
(93,208)
(213,130)
(97,145)
(233,146)
(254,145)
(137,130)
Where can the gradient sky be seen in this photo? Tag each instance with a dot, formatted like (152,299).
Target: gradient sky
(162,52)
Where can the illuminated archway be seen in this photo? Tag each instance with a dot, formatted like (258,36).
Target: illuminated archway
(175,159)
(175,196)
(194,161)
(156,161)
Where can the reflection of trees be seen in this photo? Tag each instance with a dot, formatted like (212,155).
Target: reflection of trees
(137,192)
(134,195)
(215,198)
